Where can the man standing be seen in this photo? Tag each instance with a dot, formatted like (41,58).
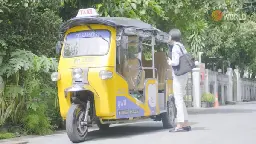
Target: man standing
(179,82)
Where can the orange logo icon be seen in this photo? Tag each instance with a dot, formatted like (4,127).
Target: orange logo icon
(217,15)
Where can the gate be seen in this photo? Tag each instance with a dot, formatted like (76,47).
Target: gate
(188,98)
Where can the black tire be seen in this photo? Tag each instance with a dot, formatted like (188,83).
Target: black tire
(73,124)
(102,127)
(168,118)
(63,125)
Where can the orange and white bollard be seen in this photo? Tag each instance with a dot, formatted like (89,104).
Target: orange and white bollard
(216,103)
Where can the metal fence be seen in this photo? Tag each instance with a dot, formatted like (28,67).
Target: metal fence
(229,87)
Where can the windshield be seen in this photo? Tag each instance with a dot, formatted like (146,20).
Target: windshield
(89,42)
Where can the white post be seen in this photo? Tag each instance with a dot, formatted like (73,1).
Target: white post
(153,54)
(230,85)
(206,82)
(216,84)
(254,94)
(196,88)
(250,91)
(200,57)
(247,90)
(242,92)
(239,88)
(222,94)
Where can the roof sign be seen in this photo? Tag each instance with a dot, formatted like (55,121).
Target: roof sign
(89,12)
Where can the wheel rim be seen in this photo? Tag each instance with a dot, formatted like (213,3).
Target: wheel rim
(171,112)
(82,130)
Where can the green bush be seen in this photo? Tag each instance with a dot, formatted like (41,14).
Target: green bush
(37,122)
(204,97)
(211,98)
(6,135)
(28,35)
(30,92)
(208,97)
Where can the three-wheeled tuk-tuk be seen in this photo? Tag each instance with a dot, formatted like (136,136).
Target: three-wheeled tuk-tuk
(112,70)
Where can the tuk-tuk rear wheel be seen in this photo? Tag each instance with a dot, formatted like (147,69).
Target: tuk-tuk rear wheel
(168,118)
(75,130)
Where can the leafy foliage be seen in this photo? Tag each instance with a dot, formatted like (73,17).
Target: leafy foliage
(29,25)
(6,135)
(27,37)
(25,91)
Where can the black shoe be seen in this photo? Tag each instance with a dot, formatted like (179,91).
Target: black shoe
(187,128)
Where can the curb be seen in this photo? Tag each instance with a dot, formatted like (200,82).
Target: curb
(231,103)
(25,139)
(14,142)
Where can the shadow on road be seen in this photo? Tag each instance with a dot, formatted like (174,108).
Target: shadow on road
(130,130)
(122,131)
(220,111)
(198,128)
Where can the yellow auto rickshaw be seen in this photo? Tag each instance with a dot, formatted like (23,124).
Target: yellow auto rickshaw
(112,70)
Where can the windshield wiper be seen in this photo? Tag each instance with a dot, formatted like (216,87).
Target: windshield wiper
(97,33)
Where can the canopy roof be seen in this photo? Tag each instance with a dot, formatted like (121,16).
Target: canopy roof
(111,21)
(117,22)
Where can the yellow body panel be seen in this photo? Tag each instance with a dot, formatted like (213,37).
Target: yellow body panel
(107,61)
(169,88)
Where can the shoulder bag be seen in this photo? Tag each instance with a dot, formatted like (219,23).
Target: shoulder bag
(186,64)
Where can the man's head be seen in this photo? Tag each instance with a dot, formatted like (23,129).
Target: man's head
(175,35)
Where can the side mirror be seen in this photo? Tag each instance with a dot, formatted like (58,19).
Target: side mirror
(58,47)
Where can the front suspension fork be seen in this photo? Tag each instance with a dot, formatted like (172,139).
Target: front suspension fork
(86,117)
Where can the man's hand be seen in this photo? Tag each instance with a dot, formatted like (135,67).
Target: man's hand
(169,61)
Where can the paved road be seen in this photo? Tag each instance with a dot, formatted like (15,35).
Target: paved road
(234,124)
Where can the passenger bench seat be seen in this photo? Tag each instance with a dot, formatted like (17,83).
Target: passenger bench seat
(131,72)
(161,65)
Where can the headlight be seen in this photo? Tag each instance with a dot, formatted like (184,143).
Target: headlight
(105,74)
(55,76)
(77,74)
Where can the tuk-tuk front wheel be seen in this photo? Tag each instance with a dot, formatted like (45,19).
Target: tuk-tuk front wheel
(76,131)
